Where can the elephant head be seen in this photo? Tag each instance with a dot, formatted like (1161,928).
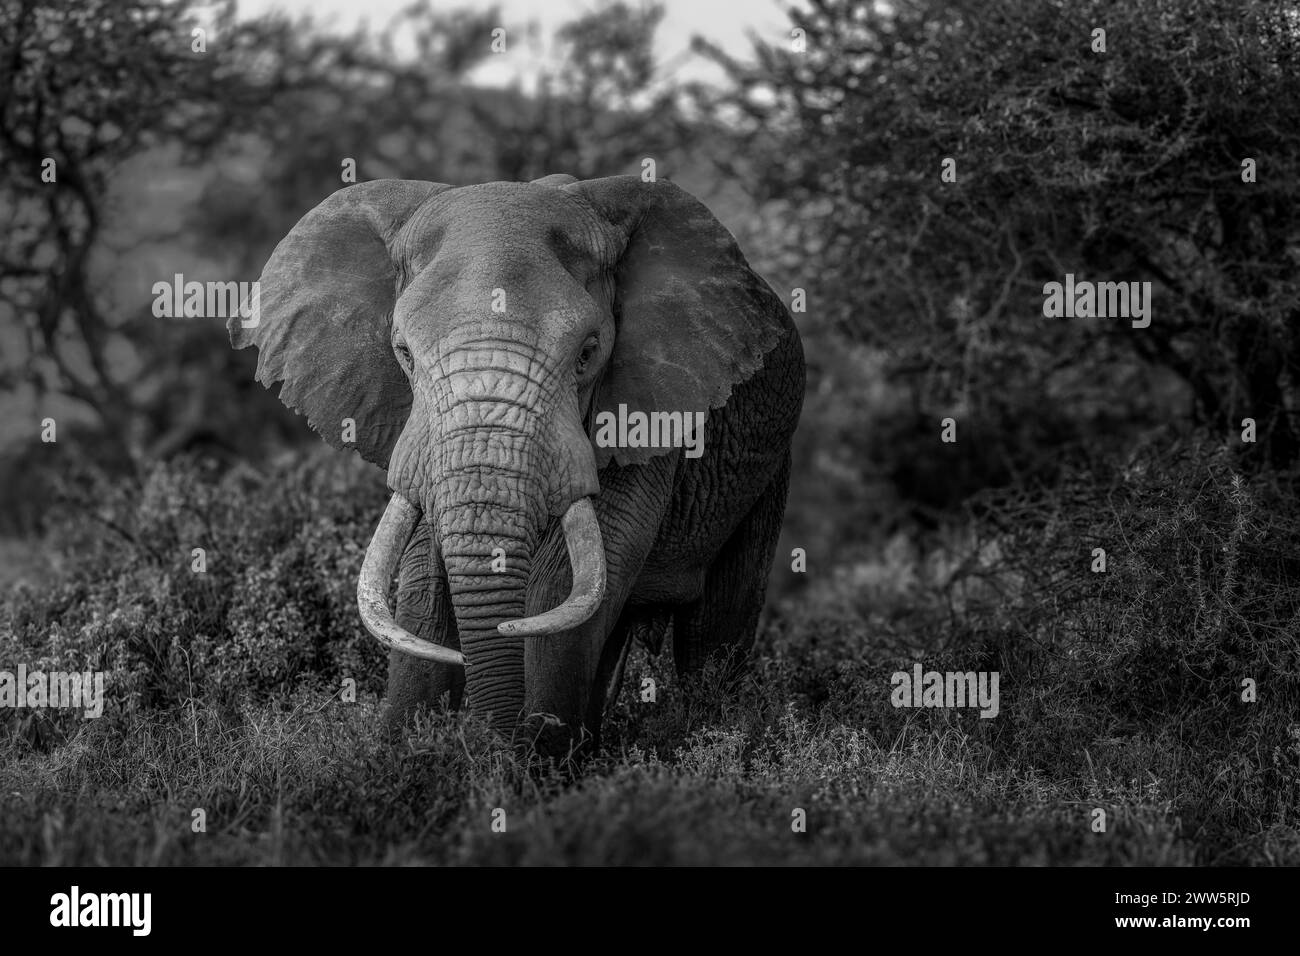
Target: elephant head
(471,335)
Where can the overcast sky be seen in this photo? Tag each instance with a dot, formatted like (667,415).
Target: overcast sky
(724,22)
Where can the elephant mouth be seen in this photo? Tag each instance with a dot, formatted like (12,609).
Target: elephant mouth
(586,555)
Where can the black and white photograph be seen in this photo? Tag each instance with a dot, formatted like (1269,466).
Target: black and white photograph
(651,433)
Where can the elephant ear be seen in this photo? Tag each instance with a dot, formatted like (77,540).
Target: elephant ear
(693,320)
(324,323)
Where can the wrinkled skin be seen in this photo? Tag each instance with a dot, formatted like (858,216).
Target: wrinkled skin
(384,305)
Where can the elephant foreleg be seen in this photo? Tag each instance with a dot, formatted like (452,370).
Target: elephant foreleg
(424,609)
(570,673)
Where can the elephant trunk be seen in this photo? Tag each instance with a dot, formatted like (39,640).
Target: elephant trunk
(487,539)
(492,486)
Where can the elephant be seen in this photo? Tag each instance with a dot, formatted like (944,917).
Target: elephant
(492,346)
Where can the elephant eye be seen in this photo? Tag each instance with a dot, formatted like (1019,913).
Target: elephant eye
(404,356)
(587,353)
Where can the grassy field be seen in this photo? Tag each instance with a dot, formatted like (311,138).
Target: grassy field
(1119,692)
(308,781)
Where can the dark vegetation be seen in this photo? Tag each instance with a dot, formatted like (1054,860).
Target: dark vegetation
(1120,690)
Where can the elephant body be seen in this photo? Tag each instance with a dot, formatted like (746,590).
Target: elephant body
(689,541)
(624,294)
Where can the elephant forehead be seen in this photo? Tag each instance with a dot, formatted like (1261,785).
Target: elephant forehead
(536,306)
(505,218)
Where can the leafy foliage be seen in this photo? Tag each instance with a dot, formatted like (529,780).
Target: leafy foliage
(1118,165)
(1119,690)
(273,607)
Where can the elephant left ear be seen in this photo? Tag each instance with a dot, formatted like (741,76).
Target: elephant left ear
(693,320)
(325,317)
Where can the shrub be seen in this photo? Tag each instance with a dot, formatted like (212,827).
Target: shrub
(1138,674)
(1118,690)
(273,608)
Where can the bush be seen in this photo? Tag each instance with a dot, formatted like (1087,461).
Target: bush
(1118,690)
(1136,676)
(274,607)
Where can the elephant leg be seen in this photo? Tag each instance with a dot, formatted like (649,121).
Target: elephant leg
(569,674)
(722,623)
(424,609)
(644,624)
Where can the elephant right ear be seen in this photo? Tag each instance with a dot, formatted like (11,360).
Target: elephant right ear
(323,325)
